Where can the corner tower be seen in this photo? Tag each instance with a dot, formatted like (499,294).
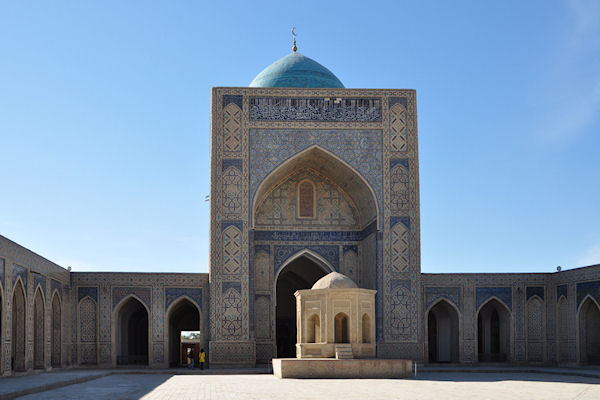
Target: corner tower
(308,178)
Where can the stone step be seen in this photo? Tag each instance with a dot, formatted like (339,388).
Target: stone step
(344,352)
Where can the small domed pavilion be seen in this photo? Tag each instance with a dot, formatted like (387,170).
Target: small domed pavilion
(335,319)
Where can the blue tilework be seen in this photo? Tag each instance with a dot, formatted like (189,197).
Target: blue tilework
(89,291)
(533,291)
(19,271)
(329,253)
(433,294)
(39,279)
(585,288)
(402,161)
(362,149)
(502,293)
(232,162)
(262,247)
(404,220)
(55,285)
(561,290)
(227,285)
(296,70)
(235,99)
(143,293)
(172,294)
(237,224)
(315,109)
(347,248)
(401,100)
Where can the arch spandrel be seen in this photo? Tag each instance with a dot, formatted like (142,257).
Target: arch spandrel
(329,166)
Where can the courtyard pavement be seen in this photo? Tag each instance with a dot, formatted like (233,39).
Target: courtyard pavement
(513,383)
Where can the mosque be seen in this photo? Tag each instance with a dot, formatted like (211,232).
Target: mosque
(307,178)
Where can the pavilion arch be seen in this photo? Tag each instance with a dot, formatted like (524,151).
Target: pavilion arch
(135,313)
(341,328)
(39,328)
(494,331)
(442,331)
(331,166)
(300,271)
(181,316)
(19,316)
(562,329)
(588,326)
(56,329)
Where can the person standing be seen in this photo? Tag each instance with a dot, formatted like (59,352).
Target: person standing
(202,356)
(191,358)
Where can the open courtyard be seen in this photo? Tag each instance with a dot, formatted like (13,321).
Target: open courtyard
(427,385)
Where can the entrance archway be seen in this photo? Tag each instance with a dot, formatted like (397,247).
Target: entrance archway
(132,333)
(493,332)
(589,328)
(442,333)
(38,330)
(183,316)
(300,273)
(56,331)
(18,328)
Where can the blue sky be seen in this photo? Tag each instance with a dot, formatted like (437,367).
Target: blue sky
(104,121)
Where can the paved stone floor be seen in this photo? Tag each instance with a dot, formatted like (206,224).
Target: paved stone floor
(428,385)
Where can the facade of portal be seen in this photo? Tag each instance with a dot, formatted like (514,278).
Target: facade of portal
(307,178)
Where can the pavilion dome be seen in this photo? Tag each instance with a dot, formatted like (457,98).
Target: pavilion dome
(296,70)
(335,280)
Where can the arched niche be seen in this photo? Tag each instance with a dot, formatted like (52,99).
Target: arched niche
(494,331)
(56,331)
(562,329)
(300,271)
(182,315)
(131,330)
(331,169)
(589,331)
(38,329)
(443,332)
(341,328)
(18,327)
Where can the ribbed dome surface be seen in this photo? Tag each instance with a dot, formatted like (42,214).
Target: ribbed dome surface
(296,70)
(335,280)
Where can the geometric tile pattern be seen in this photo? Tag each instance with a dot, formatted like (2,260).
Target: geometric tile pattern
(534,291)
(399,186)
(329,253)
(91,292)
(232,311)
(398,138)
(561,290)
(400,242)
(361,149)
(143,293)
(402,308)
(172,294)
(232,242)
(588,288)
(502,293)
(232,125)
(232,190)
(434,293)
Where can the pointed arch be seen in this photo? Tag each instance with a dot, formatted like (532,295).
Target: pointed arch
(183,314)
(131,329)
(349,179)
(19,315)
(494,331)
(588,326)
(39,320)
(312,256)
(442,333)
(56,329)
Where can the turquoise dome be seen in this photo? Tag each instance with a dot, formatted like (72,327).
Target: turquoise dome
(296,70)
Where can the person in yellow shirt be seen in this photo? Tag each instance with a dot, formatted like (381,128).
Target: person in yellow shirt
(201,357)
